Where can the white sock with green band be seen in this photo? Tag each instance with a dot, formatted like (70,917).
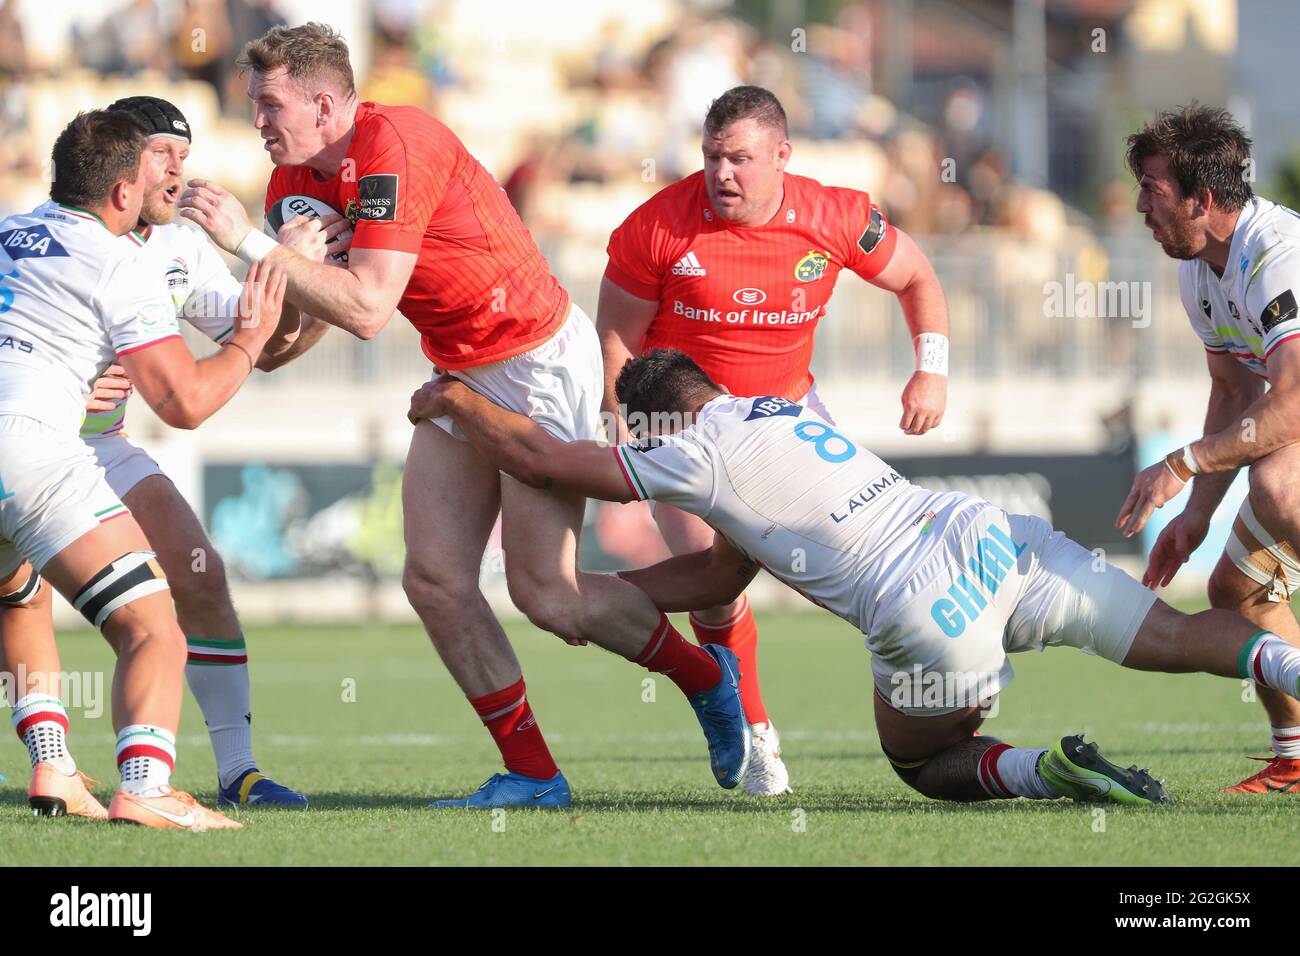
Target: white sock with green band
(217,672)
(145,757)
(42,724)
(1271,662)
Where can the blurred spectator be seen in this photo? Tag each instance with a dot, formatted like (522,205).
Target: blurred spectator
(126,41)
(395,79)
(249,19)
(17,154)
(13,48)
(203,41)
(836,81)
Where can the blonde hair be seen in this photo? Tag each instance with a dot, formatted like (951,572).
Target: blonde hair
(311,52)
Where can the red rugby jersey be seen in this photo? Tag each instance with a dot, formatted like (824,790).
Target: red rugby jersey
(744,302)
(481,290)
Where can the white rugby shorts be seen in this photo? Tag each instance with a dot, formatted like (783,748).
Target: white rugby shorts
(997,584)
(125,464)
(54,492)
(559,384)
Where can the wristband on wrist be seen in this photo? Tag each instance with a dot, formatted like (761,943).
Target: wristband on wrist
(1177,467)
(1189,459)
(255,246)
(246,355)
(932,353)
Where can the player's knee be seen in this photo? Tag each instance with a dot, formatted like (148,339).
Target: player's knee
(1271,491)
(437,591)
(1227,589)
(158,634)
(909,771)
(549,607)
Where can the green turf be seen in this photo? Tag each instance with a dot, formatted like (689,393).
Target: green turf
(643,791)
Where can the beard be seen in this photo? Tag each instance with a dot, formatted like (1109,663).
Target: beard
(156,211)
(1179,240)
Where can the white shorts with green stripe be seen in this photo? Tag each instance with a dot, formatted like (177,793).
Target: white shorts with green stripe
(125,464)
(52,491)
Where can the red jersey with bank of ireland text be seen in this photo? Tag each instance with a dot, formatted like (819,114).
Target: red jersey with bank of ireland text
(744,302)
(481,290)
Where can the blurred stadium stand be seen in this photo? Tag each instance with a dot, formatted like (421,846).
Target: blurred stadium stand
(992,130)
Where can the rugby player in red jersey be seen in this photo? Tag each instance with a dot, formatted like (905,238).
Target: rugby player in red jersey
(435,237)
(734,265)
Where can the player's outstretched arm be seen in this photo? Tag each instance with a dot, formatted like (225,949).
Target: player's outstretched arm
(1233,387)
(520,447)
(910,276)
(691,582)
(184,392)
(1270,422)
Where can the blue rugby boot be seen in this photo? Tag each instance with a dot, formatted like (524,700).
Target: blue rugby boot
(254,790)
(514,790)
(723,721)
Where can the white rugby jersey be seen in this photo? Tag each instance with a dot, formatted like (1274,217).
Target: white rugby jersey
(821,514)
(188,267)
(73,297)
(1251,310)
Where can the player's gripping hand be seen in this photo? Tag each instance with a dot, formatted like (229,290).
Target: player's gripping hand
(924,401)
(430,399)
(1175,545)
(1151,489)
(307,237)
(110,390)
(219,213)
(260,303)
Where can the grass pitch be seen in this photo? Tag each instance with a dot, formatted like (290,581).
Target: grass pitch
(643,791)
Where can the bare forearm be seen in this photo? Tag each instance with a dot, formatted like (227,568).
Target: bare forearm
(924,305)
(310,331)
(689,582)
(510,442)
(333,295)
(1224,409)
(213,383)
(1270,422)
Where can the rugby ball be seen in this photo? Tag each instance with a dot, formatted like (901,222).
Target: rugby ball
(309,206)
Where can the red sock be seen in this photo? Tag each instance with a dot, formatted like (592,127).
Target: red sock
(687,666)
(511,723)
(740,635)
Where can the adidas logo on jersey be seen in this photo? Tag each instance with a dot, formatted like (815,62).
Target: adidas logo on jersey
(688,265)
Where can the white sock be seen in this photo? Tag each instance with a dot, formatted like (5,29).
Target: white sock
(42,724)
(1006,771)
(1286,742)
(1271,662)
(217,672)
(145,758)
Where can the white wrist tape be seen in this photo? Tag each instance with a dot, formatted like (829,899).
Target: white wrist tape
(255,246)
(932,353)
(1190,460)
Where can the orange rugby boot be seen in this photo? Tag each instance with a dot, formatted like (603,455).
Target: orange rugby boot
(171,810)
(1280,775)
(56,794)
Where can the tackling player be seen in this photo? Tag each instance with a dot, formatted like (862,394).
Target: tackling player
(435,237)
(204,292)
(1238,276)
(943,585)
(77,294)
(734,265)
